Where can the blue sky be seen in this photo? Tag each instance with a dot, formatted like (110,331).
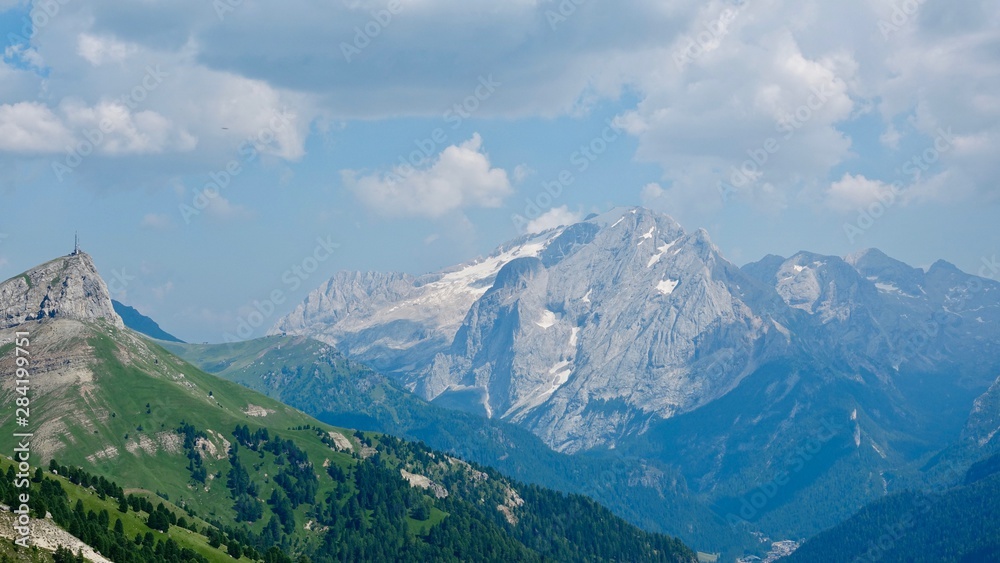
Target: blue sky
(415,134)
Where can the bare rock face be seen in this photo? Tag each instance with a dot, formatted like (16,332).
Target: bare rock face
(67,287)
(619,319)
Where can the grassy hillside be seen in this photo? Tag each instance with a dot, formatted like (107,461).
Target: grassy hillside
(316,378)
(245,470)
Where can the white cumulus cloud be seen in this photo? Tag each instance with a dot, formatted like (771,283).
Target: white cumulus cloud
(852,193)
(461,177)
(709,82)
(31,127)
(99,50)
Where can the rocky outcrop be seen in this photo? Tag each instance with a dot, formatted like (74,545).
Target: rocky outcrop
(45,534)
(67,287)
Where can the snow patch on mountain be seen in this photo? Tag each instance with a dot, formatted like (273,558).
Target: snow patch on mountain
(465,277)
(659,254)
(547,319)
(887,287)
(666,287)
(374,316)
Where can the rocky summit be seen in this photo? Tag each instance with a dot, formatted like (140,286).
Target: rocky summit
(68,287)
(580,333)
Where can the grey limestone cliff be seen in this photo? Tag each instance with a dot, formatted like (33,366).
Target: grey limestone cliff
(67,287)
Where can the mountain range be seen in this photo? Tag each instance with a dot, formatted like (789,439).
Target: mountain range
(626,333)
(554,331)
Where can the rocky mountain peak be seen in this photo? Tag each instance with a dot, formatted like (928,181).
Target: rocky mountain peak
(944,267)
(578,332)
(67,287)
(888,273)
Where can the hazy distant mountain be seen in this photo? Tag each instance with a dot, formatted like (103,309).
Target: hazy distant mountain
(141,323)
(983,425)
(879,313)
